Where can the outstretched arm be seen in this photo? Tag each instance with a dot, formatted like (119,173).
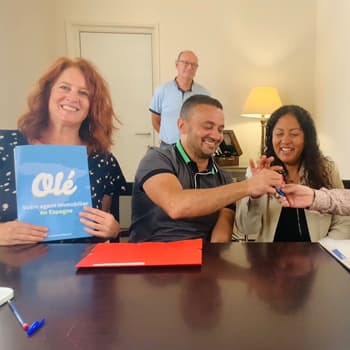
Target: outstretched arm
(334,201)
(297,196)
(166,191)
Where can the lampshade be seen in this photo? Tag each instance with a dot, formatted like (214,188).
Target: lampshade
(261,102)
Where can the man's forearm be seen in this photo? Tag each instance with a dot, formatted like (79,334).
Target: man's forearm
(200,202)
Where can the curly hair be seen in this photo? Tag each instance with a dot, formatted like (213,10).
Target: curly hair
(316,165)
(96,130)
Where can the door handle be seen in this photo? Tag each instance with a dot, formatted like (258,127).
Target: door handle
(143,134)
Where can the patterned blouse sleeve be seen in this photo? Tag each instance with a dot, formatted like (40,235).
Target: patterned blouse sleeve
(335,201)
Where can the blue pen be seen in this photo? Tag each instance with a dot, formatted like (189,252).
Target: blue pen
(19,318)
(30,330)
(279,189)
(280,192)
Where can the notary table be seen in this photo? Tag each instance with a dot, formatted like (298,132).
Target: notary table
(245,296)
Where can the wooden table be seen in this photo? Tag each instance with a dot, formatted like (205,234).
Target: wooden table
(245,296)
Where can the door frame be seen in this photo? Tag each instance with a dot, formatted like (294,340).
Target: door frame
(74,28)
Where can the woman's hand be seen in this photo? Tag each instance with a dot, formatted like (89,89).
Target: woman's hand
(99,223)
(17,232)
(297,196)
(263,163)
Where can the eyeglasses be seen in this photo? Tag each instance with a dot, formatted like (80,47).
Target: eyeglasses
(186,64)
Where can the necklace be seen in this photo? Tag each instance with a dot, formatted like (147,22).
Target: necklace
(298,220)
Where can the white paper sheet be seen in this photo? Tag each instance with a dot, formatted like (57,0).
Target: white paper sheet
(340,249)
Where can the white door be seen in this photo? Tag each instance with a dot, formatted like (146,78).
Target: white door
(125,61)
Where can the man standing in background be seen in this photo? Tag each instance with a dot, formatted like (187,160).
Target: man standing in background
(168,98)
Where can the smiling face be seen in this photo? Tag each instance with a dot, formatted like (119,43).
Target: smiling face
(187,66)
(69,99)
(202,131)
(288,140)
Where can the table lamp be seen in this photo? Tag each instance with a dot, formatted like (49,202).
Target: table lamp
(261,102)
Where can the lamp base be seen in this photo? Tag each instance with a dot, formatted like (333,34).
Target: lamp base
(263,126)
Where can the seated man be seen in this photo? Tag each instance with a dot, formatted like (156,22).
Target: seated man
(180,193)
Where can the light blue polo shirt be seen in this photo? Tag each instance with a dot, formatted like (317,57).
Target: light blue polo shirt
(167,102)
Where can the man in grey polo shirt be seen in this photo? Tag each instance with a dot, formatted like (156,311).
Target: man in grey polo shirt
(180,193)
(168,98)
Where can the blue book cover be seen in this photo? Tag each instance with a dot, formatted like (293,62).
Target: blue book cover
(53,185)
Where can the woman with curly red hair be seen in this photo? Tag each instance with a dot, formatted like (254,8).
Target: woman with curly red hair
(70,105)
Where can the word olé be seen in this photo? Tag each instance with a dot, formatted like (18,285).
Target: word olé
(46,183)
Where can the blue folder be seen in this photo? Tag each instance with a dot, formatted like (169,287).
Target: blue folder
(53,185)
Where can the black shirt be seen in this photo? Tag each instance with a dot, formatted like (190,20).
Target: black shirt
(292,226)
(152,223)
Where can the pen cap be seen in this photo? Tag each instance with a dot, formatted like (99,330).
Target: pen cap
(36,325)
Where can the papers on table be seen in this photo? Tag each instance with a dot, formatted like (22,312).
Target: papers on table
(340,249)
(5,294)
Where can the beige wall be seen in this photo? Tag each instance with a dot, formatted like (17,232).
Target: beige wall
(333,80)
(240,44)
(26,34)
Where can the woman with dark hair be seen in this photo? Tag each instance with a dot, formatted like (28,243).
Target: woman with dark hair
(291,140)
(70,105)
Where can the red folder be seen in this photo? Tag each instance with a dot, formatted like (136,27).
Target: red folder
(188,252)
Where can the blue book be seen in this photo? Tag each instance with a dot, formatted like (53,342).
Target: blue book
(53,185)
